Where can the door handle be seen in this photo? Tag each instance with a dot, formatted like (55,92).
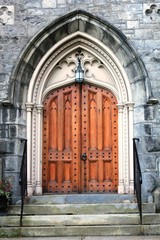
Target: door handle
(84,156)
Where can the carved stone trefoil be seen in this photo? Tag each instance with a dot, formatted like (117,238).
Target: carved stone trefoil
(6,15)
(153,11)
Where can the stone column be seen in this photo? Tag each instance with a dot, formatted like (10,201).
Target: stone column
(130,106)
(38,163)
(29,107)
(120,149)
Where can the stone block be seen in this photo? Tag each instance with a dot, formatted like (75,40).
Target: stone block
(4,131)
(139,132)
(13,115)
(152,144)
(49,3)
(149,43)
(34,23)
(156,129)
(156,197)
(3,93)
(61,1)
(73,26)
(143,34)
(82,25)
(138,114)
(36,57)
(149,182)
(12,163)
(32,3)
(138,98)
(149,112)
(135,7)
(148,129)
(133,24)
(12,131)
(95,31)
(46,44)
(109,40)
(5,115)
(37,11)
(149,163)
(6,147)
(21,131)
(123,54)
(60,34)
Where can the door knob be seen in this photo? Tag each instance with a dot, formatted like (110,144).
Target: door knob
(84,156)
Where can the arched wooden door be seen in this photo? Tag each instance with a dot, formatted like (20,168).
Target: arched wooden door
(80,140)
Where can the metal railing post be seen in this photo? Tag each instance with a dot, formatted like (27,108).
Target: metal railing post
(23,178)
(137,178)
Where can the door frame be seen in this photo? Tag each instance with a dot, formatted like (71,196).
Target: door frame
(38,89)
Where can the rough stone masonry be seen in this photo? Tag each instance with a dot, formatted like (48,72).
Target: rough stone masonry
(21,20)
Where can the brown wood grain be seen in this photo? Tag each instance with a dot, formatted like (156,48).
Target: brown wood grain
(80,119)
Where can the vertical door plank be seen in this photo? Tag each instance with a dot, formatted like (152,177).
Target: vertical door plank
(100,169)
(61,149)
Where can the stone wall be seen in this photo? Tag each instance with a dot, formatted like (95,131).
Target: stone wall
(139,20)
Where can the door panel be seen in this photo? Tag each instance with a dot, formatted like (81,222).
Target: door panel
(61,149)
(99,140)
(80,119)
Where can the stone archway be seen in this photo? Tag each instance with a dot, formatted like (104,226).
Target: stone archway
(101,70)
(111,54)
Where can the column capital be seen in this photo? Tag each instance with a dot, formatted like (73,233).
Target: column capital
(29,106)
(130,105)
(39,108)
(120,105)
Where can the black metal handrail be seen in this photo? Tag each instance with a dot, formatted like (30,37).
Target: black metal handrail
(137,177)
(23,178)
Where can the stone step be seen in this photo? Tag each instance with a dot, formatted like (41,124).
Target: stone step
(81,220)
(72,220)
(82,198)
(72,209)
(151,218)
(66,231)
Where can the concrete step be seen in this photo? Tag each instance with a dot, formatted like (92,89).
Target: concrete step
(72,220)
(82,198)
(151,218)
(80,215)
(81,220)
(66,231)
(72,209)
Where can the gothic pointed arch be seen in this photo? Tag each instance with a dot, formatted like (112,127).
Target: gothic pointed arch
(49,62)
(86,23)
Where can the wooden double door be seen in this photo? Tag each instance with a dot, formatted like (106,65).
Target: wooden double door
(80,140)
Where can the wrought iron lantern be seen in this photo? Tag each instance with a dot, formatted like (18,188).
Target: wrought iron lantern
(79,72)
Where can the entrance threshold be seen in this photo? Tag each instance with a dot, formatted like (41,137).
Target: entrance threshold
(82,198)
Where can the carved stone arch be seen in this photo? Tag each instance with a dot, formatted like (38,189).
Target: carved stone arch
(83,22)
(49,51)
(97,58)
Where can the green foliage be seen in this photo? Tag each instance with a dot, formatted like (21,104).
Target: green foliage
(5,189)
